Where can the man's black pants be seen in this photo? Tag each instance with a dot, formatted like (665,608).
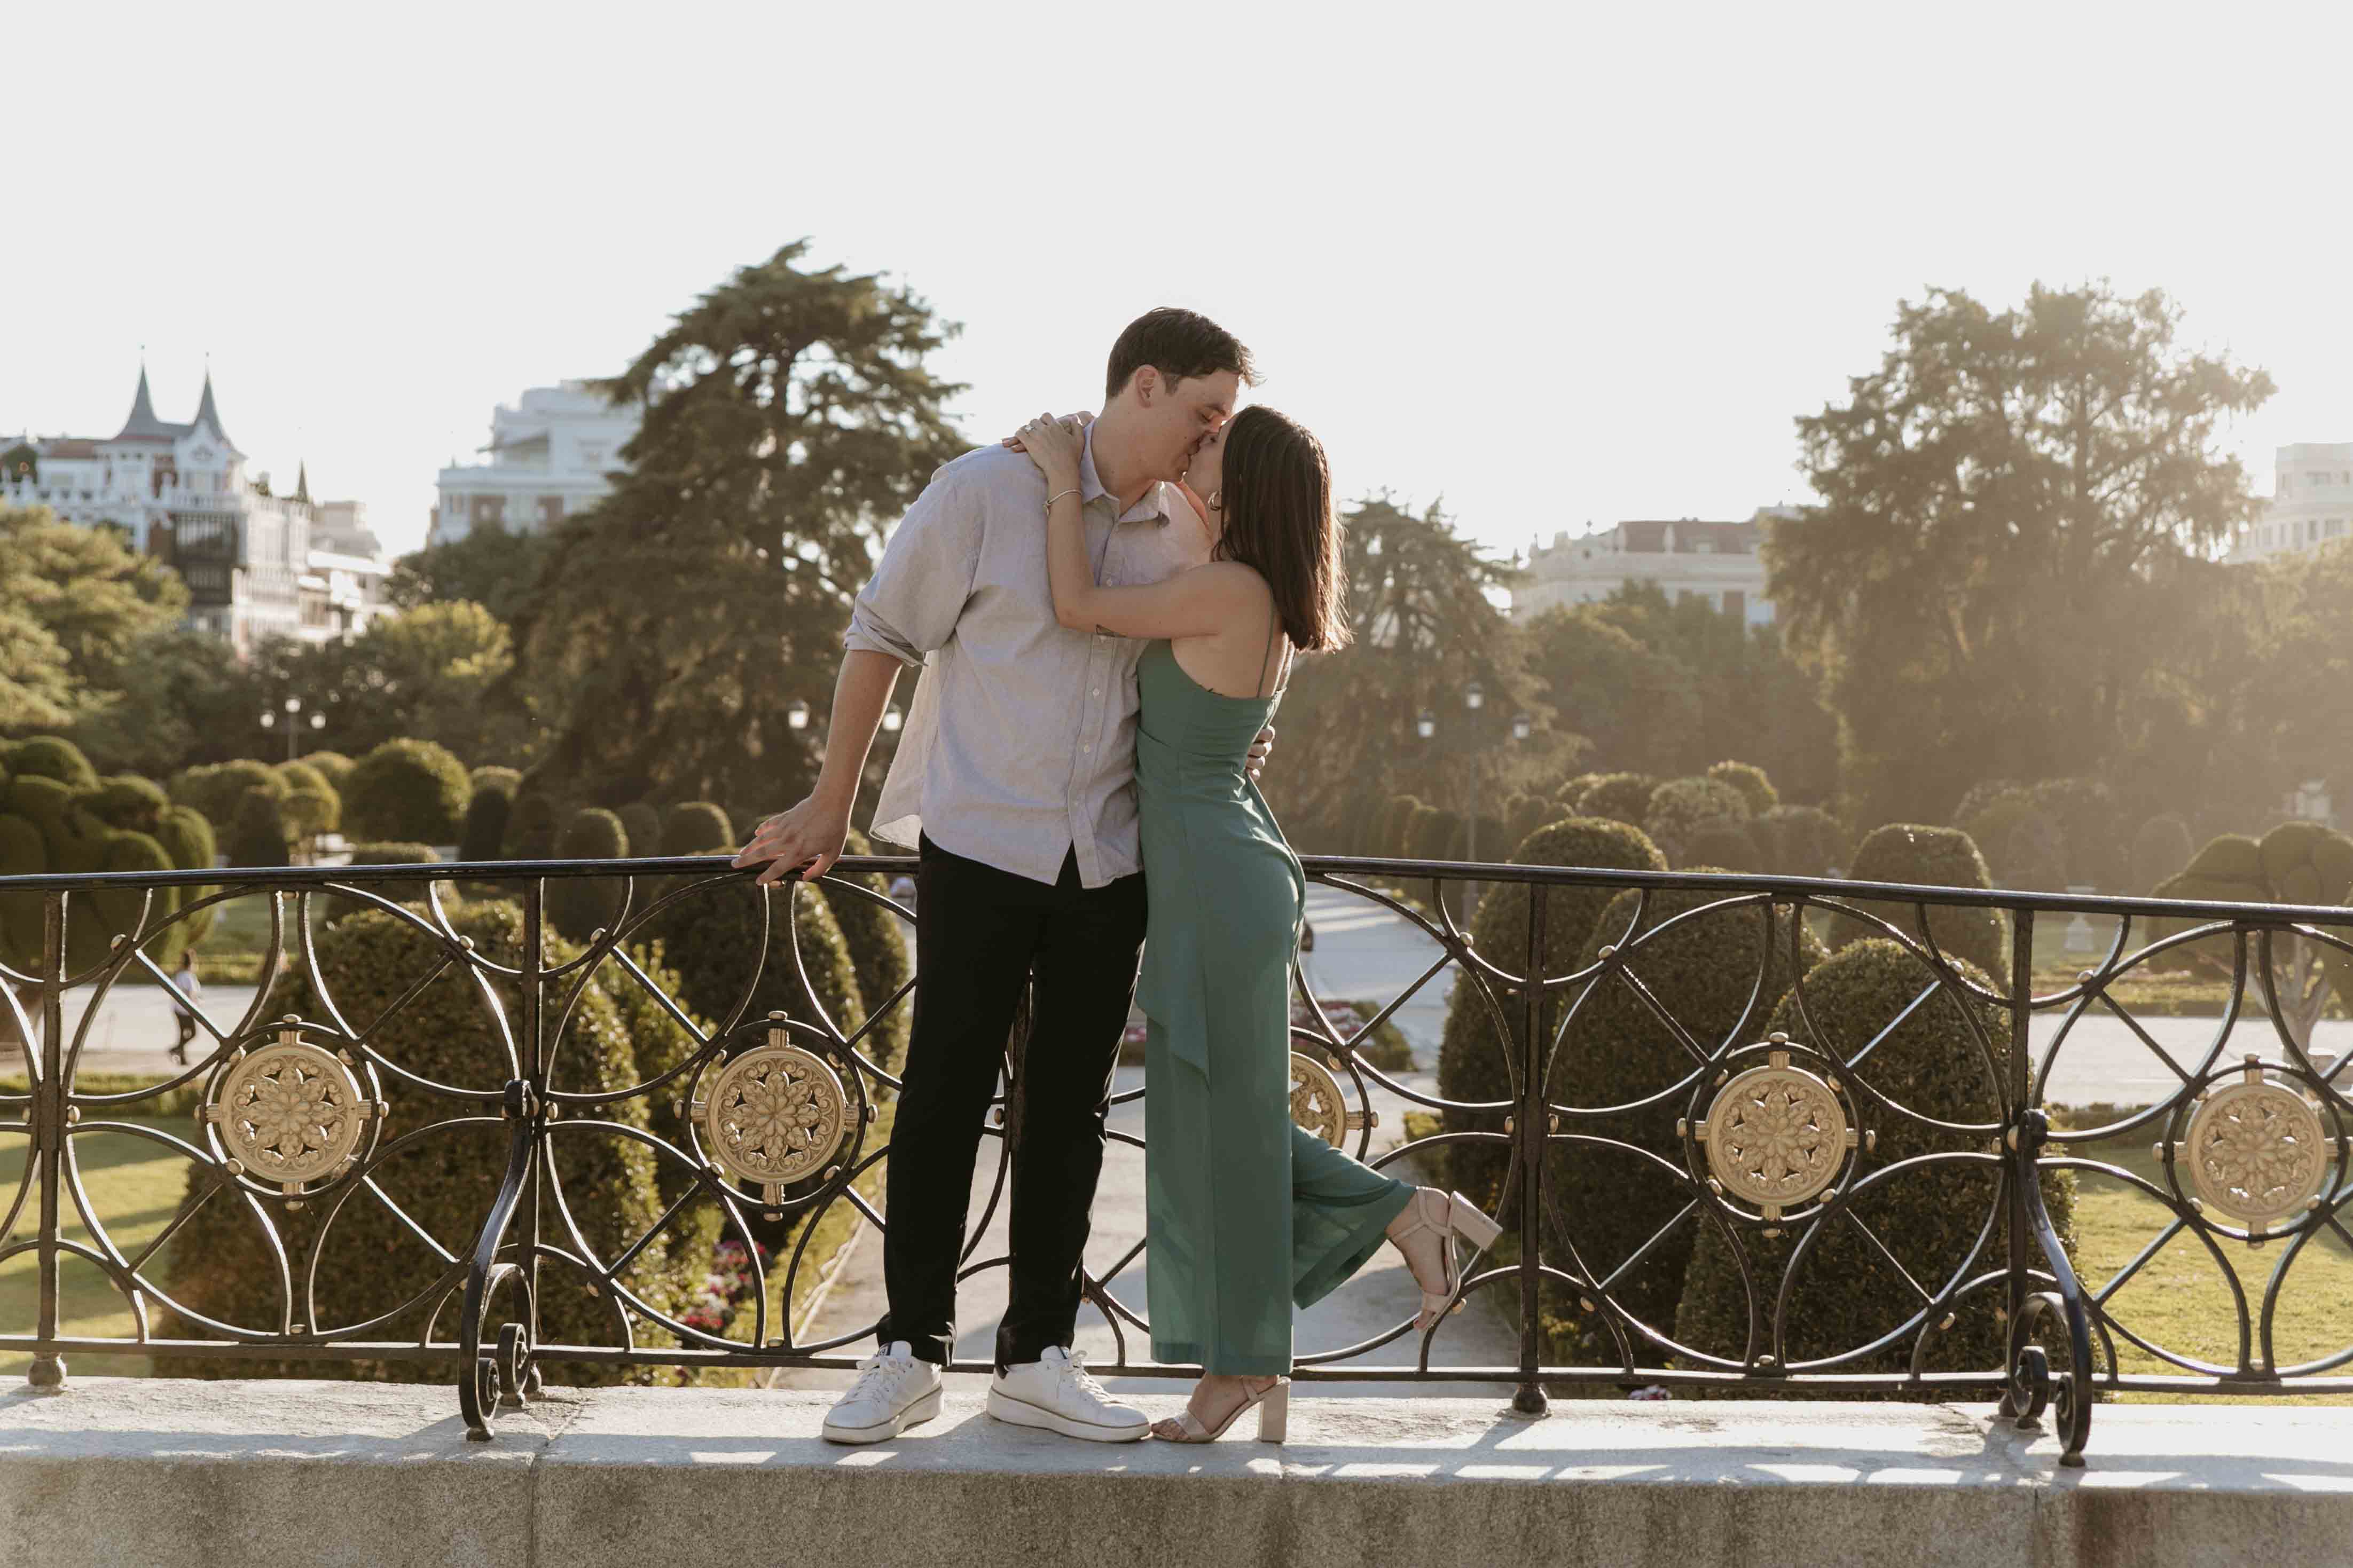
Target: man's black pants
(982,933)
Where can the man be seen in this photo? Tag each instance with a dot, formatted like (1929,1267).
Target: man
(1016,779)
(186,991)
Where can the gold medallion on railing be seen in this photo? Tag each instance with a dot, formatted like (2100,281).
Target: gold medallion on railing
(1775,1136)
(1318,1105)
(776,1115)
(2257,1152)
(290,1112)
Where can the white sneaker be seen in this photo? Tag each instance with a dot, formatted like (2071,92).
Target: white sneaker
(1058,1392)
(893,1391)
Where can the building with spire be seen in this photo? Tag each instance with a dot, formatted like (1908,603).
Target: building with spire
(256,565)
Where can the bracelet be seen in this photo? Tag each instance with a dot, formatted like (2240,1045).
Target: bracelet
(1057,495)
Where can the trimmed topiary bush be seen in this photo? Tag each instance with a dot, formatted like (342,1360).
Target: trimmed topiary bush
(1928,856)
(1710,971)
(2294,863)
(257,832)
(2160,849)
(486,824)
(1437,834)
(407,790)
(695,827)
(127,802)
(1724,844)
(878,957)
(187,838)
(1524,813)
(1680,807)
(1621,797)
(490,776)
(221,1264)
(2090,831)
(2032,856)
(53,757)
(1571,793)
(580,905)
(530,828)
(332,766)
(1755,785)
(23,853)
(1929,1217)
(218,789)
(1475,1055)
(1800,841)
(641,825)
(397,892)
(304,774)
(713,938)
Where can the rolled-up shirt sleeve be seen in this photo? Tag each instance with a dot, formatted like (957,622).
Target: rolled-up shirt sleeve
(910,606)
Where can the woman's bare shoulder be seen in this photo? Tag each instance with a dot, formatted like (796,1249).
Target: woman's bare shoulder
(1230,579)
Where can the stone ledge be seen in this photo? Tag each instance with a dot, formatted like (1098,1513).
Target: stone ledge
(120,1470)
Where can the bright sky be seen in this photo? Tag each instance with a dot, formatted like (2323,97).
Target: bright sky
(1558,264)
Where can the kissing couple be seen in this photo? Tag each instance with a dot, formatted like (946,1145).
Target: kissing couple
(1111,607)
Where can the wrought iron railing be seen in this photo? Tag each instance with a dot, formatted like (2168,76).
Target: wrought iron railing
(772,1117)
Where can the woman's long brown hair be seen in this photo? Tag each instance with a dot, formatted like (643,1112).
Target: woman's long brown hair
(1278,520)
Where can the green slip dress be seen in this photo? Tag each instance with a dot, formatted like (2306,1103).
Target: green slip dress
(1228,1256)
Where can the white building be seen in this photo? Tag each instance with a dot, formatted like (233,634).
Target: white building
(2312,503)
(256,565)
(1685,557)
(550,456)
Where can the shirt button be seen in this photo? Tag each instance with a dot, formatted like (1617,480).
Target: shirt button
(1088,747)
(1096,692)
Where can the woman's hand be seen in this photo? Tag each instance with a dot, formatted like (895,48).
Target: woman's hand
(1055,446)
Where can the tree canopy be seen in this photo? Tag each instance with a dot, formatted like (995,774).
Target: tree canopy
(2008,504)
(790,417)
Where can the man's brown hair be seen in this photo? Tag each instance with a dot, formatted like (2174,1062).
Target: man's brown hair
(1180,344)
(1277,497)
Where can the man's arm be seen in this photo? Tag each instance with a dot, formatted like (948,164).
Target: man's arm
(908,609)
(811,833)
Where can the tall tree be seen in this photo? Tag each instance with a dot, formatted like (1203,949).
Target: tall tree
(1998,499)
(74,604)
(1422,605)
(493,566)
(790,417)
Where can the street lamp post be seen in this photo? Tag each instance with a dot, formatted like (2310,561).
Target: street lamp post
(1475,698)
(293,729)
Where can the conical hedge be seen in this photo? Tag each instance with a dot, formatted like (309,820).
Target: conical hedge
(1601,1205)
(220,1265)
(1929,1218)
(1473,1062)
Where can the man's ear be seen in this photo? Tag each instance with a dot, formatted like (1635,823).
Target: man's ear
(1147,384)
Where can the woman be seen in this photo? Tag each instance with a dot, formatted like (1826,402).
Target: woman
(1227,1258)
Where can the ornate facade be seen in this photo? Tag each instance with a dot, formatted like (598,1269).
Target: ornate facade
(2312,503)
(550,456)
(1686,557)
(256,565)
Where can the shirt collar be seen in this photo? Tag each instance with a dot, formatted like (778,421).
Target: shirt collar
(1155,503)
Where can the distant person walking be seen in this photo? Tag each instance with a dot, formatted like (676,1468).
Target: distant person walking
(190,990)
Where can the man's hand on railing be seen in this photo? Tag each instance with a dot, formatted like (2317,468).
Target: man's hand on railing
(811,834)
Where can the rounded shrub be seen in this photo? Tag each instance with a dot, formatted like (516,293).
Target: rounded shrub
(1524,813)
(580,905)
(2294,863)
(386,854)
(53,757)
(332,766)
(1711,972)
(1928,856)
(530,828)
(119,909)
(1755,786)
(1929,1217)
(221,1264)
(218,788)
(712,936)
(492,777)
(411,790)
(2160,849)
(486,824)
(1573,791)
(2090,830)
(1621,797)
(1474,1054)
(2032,856)
(304,774)
(1983,794)
(1437,834)
(1800,841)
(127,802)
(695,827)
(641,825)
(1724,844)
(23,853)
(878,958)
(187,838)
(311,812)
(1679,807)
(257,831)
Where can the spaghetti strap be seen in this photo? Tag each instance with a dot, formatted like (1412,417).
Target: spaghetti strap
(1274,627)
